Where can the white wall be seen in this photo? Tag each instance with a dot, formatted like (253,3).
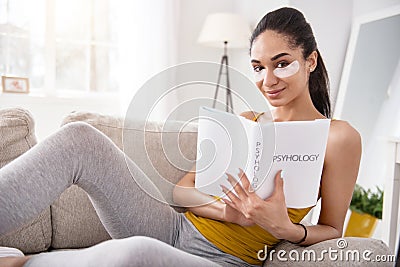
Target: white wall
(192,15)
(48,112)
(362,7)
(331,23)
(147,39)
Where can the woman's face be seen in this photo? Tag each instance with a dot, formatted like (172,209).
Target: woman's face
(281,73)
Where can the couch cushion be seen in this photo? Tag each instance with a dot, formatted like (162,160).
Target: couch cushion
(165,153)
(70,230)
(16,137)
(16,132)
(75,222)
(349,251)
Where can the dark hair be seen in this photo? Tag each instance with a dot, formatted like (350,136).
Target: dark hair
(291,23)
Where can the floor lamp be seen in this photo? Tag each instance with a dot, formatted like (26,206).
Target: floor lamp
(223,29)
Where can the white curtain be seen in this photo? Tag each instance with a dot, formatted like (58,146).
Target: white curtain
(148,37)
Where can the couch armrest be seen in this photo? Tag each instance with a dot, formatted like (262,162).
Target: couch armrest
(348,251)
(17,132)
(17,135)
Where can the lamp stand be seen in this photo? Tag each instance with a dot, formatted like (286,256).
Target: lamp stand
(224,65)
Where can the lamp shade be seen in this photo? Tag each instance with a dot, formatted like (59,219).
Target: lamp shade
(221,27)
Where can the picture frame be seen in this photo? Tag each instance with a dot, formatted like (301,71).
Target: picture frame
(15,84)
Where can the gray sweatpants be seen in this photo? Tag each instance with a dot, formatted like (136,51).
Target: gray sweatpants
(146,232)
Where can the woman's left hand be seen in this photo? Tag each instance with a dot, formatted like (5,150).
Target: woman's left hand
(271,213)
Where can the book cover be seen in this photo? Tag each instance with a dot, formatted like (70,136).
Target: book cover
(227,142)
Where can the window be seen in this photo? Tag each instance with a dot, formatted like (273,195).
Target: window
(22,39)
(70,45)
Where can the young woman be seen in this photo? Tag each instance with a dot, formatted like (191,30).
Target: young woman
(291,75)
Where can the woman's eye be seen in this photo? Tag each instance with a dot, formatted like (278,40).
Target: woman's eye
(257,68)
(282,64)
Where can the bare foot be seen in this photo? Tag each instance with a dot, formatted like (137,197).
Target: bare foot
(13,261)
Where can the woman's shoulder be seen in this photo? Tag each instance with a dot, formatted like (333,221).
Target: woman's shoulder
(343,136)
(343,129)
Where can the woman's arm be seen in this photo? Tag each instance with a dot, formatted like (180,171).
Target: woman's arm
(341,166)
(186,195)
(13,261)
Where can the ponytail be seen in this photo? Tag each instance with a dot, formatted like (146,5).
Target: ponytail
(319,88)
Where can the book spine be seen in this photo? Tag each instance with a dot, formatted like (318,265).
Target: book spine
(256,148)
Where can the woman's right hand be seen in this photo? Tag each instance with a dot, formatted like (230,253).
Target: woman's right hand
(186,195)
(234,216)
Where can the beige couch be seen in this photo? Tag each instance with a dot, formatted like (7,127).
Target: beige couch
(71,222)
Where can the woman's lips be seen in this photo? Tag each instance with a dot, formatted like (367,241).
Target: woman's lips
(274,93)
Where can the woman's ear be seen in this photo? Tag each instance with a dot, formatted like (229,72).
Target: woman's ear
(312,61)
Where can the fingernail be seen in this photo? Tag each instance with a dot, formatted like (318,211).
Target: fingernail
(241,173)
(232,181)
(282,174)
(251,189)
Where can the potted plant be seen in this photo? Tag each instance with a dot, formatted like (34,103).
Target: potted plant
(366,208)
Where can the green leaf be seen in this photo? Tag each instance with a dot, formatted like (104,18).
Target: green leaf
(367,201)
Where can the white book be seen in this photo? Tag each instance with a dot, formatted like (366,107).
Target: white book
(227,142)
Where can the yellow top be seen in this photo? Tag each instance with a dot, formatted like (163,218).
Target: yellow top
(257,116)
(241,241)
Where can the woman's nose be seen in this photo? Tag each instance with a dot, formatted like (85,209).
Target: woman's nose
(270,79)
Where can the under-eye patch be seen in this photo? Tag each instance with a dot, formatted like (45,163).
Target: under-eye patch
(259,75)
(287,71)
